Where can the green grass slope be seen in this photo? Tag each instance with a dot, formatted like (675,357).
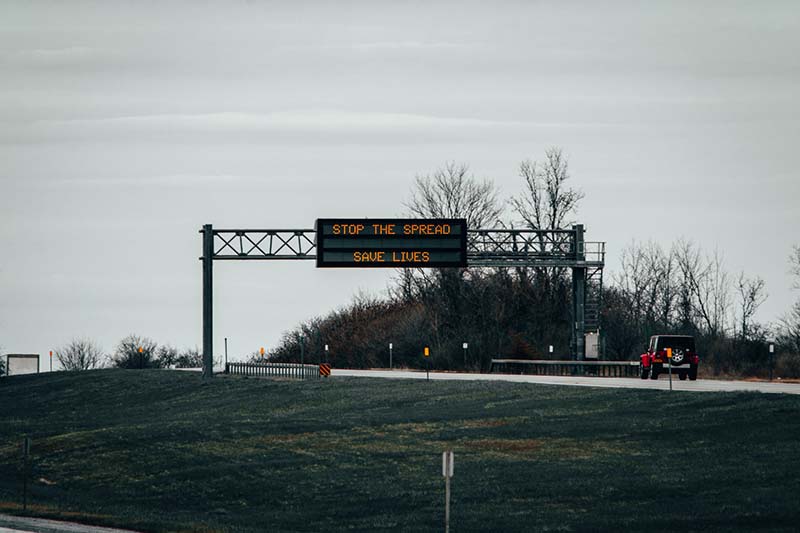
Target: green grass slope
(159,450)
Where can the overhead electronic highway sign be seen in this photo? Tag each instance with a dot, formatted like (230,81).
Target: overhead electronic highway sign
(391,242)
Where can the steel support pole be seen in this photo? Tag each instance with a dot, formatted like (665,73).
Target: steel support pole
(208,277)
(579,296)
(578,299)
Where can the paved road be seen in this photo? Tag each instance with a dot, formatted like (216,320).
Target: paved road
(662,383)
(19,524)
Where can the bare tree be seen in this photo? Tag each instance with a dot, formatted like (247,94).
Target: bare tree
(190,358)
(167,356)
(80,354)
(634,281)
(707,285)
(127,354)
(547,202)
(449,192)
(789,330)
(648,286)
(794,265)
(751,296)
(452,192)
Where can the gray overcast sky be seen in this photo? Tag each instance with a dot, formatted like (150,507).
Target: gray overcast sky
(124,126)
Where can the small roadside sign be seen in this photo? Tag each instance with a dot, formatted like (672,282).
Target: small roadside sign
(669,353)
(426,352)
(447,464)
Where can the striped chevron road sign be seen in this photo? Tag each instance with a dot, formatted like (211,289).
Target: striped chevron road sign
(324,369)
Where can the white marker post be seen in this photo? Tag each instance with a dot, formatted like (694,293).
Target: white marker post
(465,346)
(771,359)
(326,353)
(390,356)
(551,348)
(447,473)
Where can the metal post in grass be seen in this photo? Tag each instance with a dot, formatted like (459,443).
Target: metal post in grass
(465,346)
(390,356)
(426,352)
(226,355)
(447,473)
(669,364)
(26,451)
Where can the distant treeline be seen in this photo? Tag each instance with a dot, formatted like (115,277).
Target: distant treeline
(133,351)
(520,312)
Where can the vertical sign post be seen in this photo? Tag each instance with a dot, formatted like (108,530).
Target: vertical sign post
(465,346)
(771,359)
(447,473)
(326,354)
(669,363)
(26,451)
(51,360)
(141,357)
(390,356)
(261,352)
(226,355)
(427,353)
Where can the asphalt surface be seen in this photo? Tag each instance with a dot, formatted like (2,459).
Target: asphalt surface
(662,383)
(17,524)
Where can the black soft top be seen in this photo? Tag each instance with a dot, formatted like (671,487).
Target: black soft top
(682,342)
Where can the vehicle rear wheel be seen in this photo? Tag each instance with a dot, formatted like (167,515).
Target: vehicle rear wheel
(693,373)
(644,371)
(682,376)
(653,373)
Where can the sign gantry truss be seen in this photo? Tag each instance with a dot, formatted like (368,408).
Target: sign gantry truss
(485,247)
(518,248)
(264,244)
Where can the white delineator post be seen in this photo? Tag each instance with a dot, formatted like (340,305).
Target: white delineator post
(447,472)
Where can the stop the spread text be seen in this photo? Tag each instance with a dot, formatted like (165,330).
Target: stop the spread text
(391,229)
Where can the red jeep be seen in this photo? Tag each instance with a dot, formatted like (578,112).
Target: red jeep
(684,357)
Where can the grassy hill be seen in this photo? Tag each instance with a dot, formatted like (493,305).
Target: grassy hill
(158,450)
